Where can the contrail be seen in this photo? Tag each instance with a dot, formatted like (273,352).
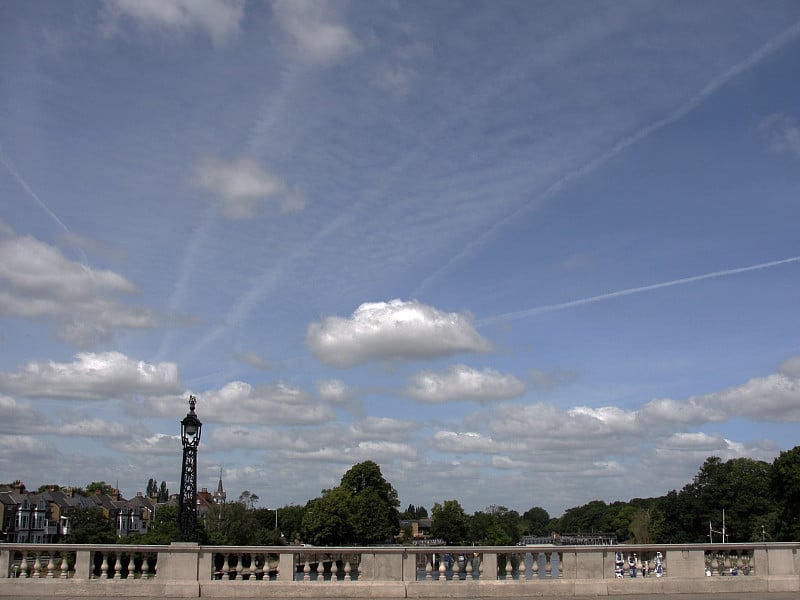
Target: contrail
(39,202)
(521,314)
(592,164)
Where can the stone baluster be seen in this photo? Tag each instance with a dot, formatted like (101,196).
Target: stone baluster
(51,567)
(306,571)
(257,564)
(117,566)
(456,571)
(428,568)
(145,566)
(468,568)
(548,565)
(37,566)
(239,568)
(509,567)
(522,568)
(334,571)
(64,566)
(23,567)
(226,566)
(535,565)
(320,571)
(347,570)
(442,570)
(104,567)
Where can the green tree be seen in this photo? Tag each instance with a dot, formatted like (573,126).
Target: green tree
(90,526)
(163,492)
(290,519)
(536,521)
(100,486)
(449,522)
(784,486)
(249,499)
(327,520)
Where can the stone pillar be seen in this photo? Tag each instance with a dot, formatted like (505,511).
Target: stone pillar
(83,564)
(286,567)
(5,563)
(489,566)
(410,566)
(685,564)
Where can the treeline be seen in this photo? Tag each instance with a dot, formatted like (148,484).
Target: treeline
(760,500)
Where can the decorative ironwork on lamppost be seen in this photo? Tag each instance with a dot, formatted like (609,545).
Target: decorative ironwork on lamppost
(187,503)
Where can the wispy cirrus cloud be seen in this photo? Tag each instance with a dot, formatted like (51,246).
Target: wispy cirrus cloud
(220,19)
(318,34)
(243,188)
(782,134)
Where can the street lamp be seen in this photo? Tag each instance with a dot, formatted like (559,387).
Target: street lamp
(187,503)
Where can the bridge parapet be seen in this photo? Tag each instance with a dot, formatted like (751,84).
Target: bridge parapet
(185,570)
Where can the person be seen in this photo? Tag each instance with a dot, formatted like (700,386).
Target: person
(632,564)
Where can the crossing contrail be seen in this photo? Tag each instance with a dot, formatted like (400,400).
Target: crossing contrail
(530,312)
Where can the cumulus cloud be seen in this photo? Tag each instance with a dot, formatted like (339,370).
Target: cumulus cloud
(379,451)
(333,390)
(393,330)
(240,402)
(460,382)
(465,442)
(92,376)
(220,19)
(20,417)
(37,282)
(317,34)
(775,397)
(381,428)
(243,188)
(782,134)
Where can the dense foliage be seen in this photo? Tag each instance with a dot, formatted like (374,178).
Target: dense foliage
(760,502)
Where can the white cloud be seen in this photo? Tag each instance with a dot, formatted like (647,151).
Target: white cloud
(220,19)
(775,397)
(240,402)
(243,188)
(333,390)
(790,367)
(382,428)
(159,443)
(393,330)
(92,376)
(460,382)
(465,442)
(782,134)
(379,451)
(316,33)
(37,282)
(90,428)
(20,417)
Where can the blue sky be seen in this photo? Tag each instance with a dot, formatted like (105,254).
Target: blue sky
(517,253)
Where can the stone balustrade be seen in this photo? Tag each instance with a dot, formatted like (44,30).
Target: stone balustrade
(422,572)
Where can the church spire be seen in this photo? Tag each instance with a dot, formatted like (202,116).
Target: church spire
(220,496)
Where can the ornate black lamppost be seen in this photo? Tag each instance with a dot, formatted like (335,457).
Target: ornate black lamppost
(187,504)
